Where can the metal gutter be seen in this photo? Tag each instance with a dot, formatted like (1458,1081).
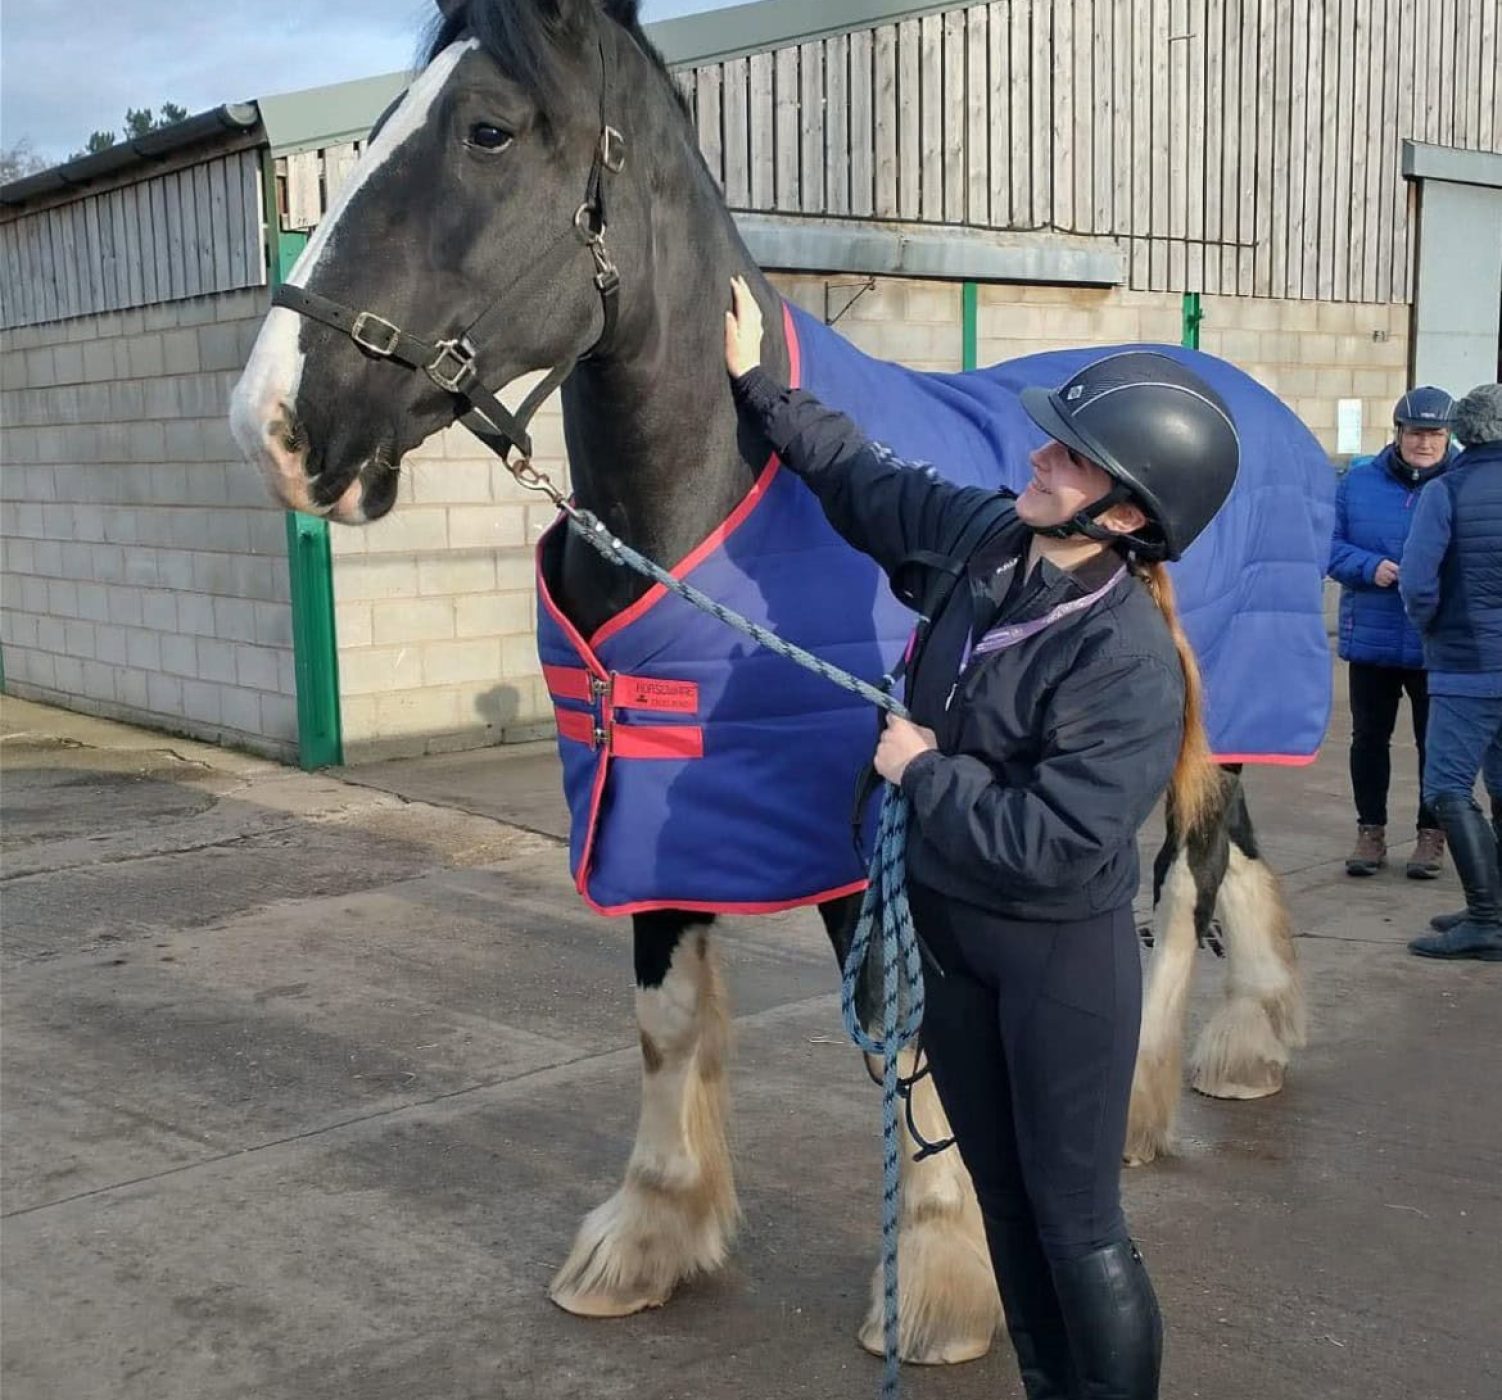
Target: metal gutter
(154,146)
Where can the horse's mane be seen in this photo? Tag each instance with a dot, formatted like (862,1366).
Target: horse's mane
(530,40)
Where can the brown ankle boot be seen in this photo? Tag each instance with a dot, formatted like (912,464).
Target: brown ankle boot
(1428,858)
(1370,854)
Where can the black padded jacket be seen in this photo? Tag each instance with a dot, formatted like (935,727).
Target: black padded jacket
(1052,753)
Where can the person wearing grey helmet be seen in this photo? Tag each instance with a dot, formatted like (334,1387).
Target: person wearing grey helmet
(1054,697)
(1451,585)
(1383,654)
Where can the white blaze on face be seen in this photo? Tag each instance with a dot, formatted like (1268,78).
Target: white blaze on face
(269,386)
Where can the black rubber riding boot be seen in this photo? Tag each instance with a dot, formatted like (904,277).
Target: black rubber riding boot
(1034,1318)
(1474,849)
(1440,923)
(1114,1324)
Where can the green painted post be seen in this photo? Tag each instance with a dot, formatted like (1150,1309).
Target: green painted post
(1193,315)
(969,318)
(310,566)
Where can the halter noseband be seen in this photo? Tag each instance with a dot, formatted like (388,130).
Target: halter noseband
(452,362)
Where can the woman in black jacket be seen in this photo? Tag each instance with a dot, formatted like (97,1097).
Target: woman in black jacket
(1054,698)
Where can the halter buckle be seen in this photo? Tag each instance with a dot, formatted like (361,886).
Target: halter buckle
(452,367)
(375,334)
(612,150)
(587,225)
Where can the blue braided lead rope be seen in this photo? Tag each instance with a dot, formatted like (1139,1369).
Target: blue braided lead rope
(591,528)
(884,906)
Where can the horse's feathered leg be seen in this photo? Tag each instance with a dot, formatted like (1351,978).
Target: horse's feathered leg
(948,1308)
(1187,876)
(674,1214)
(1242,1052)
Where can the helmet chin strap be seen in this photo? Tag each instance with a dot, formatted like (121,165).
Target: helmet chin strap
(1086,523)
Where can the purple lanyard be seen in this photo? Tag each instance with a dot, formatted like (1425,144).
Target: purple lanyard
(1008,635)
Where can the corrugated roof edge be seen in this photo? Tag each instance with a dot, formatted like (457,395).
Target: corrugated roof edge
(714,35)
(155,145)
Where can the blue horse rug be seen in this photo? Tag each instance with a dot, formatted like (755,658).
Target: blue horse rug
(703,772)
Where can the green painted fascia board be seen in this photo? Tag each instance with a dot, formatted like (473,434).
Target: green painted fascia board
(768,24)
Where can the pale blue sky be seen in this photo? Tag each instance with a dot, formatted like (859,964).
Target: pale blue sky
(69,67)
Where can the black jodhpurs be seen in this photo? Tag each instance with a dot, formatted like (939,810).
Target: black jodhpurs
(1376,695)
(1032,1035)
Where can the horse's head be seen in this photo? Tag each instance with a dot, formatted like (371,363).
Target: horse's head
(463,235)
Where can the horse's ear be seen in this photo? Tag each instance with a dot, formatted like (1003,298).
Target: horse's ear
(624,12)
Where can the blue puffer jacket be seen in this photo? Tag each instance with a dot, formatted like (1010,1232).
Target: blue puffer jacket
(1373,512)
(1452,575)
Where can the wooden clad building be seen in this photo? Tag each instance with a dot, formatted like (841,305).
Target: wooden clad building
(1317,182)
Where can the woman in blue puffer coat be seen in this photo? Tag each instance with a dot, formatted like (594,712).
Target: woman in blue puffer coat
(1374,509)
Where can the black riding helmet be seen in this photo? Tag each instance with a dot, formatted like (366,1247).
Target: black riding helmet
(1162,433)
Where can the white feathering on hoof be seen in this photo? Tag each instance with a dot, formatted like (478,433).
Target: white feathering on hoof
(676,1211)
(1243,1051)
(1156,1083)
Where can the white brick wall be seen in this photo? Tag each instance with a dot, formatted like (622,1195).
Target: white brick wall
(144,569)
(436,607)
(1309,353)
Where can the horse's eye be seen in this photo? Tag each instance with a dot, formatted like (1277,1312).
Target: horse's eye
(486,137)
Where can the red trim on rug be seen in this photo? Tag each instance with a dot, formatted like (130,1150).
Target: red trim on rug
(733,522)
(656,741)
(1273,760)
(691,906)
(633,741)
(651,693)
(575,725)
(596,797)
(567,682)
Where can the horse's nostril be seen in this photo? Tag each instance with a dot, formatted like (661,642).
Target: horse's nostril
(290,435)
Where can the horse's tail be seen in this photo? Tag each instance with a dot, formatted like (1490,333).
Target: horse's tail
(1197,786)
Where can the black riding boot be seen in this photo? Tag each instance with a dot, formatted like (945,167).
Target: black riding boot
(1474,850)
(1034,1319)
(1114,1325)
(1441,922)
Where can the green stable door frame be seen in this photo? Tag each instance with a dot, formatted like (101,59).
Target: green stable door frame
(310,567)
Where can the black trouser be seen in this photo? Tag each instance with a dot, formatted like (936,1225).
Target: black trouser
(1032,1034)
(1376,694)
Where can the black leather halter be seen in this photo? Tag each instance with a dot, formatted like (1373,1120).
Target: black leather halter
(453,362)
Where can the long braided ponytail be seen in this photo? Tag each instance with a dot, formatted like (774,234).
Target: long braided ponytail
(1195,788)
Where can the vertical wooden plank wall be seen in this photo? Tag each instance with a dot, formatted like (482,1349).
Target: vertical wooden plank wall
(185,233)
(1234,146)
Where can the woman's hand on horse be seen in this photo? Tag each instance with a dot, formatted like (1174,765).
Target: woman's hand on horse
(901,742)
(742,330)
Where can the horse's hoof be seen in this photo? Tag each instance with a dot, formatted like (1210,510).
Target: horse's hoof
(1143,1148)
(1263,1086)
(949,1309)
(583,1303)
(953,1352)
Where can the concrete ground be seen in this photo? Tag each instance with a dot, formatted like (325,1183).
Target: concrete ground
(308,1080)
